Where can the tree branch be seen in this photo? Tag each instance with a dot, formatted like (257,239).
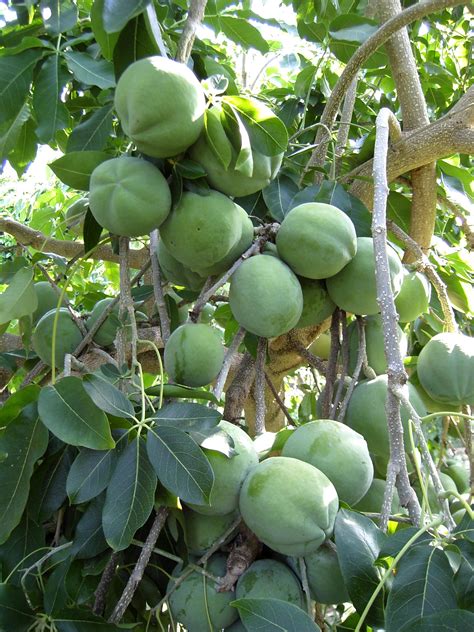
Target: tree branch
(186,41)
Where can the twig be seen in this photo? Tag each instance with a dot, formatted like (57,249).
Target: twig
(224,372)
(259,390)
(278,399)
(345,123)
(158,288)
(468,448)
(186,41)
(332,364)
(126,312)
(239,389)
(104,584)
(345,366)
(361,354)
(305,585)
(245,549)
(306,354)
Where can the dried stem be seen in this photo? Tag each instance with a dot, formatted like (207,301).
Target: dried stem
(158,288)
(245,549)
(345,123)
(224,372)
(361,355)
(126,313)
(239,389)
(331,370)
(186,41)
(104,584)
(345,366)
(311,359)
(260,408)
(469,452)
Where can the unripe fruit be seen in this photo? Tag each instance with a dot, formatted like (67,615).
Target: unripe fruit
(290,505)
(175,272)
(67,338)
(460,475)
(321,347)
(325,577)
(337,451)
(202,531)
(265,296)
(129,196)
(106,333)
(270,579)
(373,500)
(160,104)
(316,240)
(47,299)
(317,304)
(194,354)
(414,297)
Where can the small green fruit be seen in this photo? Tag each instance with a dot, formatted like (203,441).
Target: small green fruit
(325,577)
(67,336)
(317,305)
(373,500)
(106,333)
(47,299)
(175,272)
(414,297)
(270,579)
(202,531)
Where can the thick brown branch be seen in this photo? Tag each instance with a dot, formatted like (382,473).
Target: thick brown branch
(186,41)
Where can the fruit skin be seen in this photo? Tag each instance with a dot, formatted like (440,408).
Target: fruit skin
(325,577)
(175,272)
(238,626)
(316,240)
(373,500)
(317,305)
(366,414)
(47,299)
(196,598)
(129,196)
(265,296)
(161,105)
(460,475)
(414,297)
(337,451)
(229,473)
(353,288)
(266,579)
(374,343)
(202,229)
(194,354)
(202,531)
(290,505)
(321,347)
(448,485)
(68,336)
(446,368)
(106,333)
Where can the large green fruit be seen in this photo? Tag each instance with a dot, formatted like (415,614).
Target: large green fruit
(106,333)
(290,505)
(266,579)
(366,414)
(448,485)
(372,502)
(414,297)
(374,344)
(202,229)
(197,605)
(459,472)
(161,105)
(228,179)
(321,347)
(129,196)
(265,296)
(175,272)
(316,240)
(75,216)
(47,299)
(229,473)
(338,451)
(67,336)
(194,354)
(202,531)
(325,577)
(353,288)
(446,368)
(317,304)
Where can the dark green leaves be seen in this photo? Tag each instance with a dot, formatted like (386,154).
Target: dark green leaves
(51,113)
(16,74)
(273,615)
(187,416)
(348,32)
(278,196)
(90,71)
(90,474)
(445,621)
(243,33)
(116,13)
(58,15)
(75,168)
(107,397)
(67,410)
(15,613)
(19,299)
(93,133)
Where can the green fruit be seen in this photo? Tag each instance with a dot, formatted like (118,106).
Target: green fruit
(325,577)
(194,354)
(460,475)
(67,338)
(161,105)
(106,333)
(266,579)
(202,229)
(207,313)
(238,626)
(75,216)
(290,505)
(446,368)
(321,347)
(265,296)
(414,297)
(372,502)
(197,605)
(430,404)
(229,473)
(374,344)
(316,240)
(175,272)
(202,531)
(448,485)
(317,305)
(366,414)
(337,451)
(129,196)
(353,289)
(47,299)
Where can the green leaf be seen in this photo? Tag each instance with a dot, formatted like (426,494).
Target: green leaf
(105,40)
(243,33)
(445,621)
(10,131)
(464,578)
(273,615)
(89,539)
(16,402)
(278,196)
(93,133)
(214,439)
(15,613)
(76,620)
(90,71)
(134,43)
(358,543)
(25,44)
(91,232)
(25,148)
(423,585)
(178,391)
(395,543)
(16,74)
(75,168)
(48,486)
(267,132)
(55,593)
(23,442)
(187,416)
(348,32)
(181,466)
(190,169)
(116,13)
(51,113)
(69,413)
(22,549)
(19,299)
(332,193)
(90,473)
(107,397)
(130,496)
(237,131)
(58,15)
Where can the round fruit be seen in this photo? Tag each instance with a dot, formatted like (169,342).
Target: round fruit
(106,333)
(129,196)
(238,626)
(321,347)
(460,475)
(374,344)
(67,336)
(290,505)
(414,297)
(265,296)
(229,472)
(75,216)
(353,288)
(366,414)
(202,229)
(47,297)
(446,368)
(316,240)
(175,272)
(193,354)
(338,451)
(372,502)
(270,579)
(317,305)
(202,531)
(161,105)
(325,577)
(196,604)
(430,404)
